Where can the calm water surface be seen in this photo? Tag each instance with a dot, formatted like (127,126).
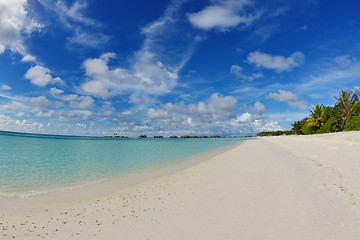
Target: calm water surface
(37,163)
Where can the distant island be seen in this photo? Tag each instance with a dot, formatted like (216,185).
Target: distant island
(159,136)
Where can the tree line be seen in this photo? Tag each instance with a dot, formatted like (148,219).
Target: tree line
(343,116)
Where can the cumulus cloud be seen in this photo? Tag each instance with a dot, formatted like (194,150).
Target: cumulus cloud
(12,107)
(56,91)
(259,107)
(217,108)
(15,24)
(251,123)
(289,98)
(107,110)
(139,99)
(82,102)
(41,76)
(38,104)
(244,118)
(74,100)
(10,124)
(277,63)
(28,58)
(153,68)
(222,15)
(146,76)
(238,72)
(215,115)
(76,115)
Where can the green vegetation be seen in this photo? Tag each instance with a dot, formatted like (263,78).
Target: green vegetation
(343,116)
(331,125)
(353,124)
(274,133)
(316,117)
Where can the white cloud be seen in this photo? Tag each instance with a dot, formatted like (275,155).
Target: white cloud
(40,76)
(139,99)
(277,63)
(10,124)
(289,98)
(107,110)
(46,114)
(249,123)
(74,101)
(153,69)
(38,104)
(82,102)
(159,113)
(75,13)
(259,107)
(76,115)
(145,76)
(217,108)
(12,107)
(238,72)
(5,87)
(56,91)
(15,24)
(68,97)
(222,15)
(244,118)
(86,39)
(270,126)
(28,58)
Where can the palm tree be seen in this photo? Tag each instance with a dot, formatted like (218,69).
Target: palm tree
(316,116)
(296,128)
(346,102)
(357,91)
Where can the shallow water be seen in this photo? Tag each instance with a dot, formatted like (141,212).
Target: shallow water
(41,163)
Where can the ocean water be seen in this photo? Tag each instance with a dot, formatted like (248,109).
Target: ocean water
(40,163)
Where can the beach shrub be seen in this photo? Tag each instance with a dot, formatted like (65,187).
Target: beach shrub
(331,125)
(273,133)
(296,127)
(356,110)
(330,112)
(353,124)
(306,129)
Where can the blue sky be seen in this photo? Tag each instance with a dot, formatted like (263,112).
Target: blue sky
(172,67)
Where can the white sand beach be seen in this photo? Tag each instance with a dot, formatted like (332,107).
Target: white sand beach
(289,187)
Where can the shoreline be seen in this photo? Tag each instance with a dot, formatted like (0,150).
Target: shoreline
(272,188)
(121,178)
(115,183)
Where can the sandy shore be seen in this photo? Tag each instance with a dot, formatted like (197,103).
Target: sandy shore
(295,187)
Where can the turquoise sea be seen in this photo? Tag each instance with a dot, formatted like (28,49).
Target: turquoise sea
(34,163)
